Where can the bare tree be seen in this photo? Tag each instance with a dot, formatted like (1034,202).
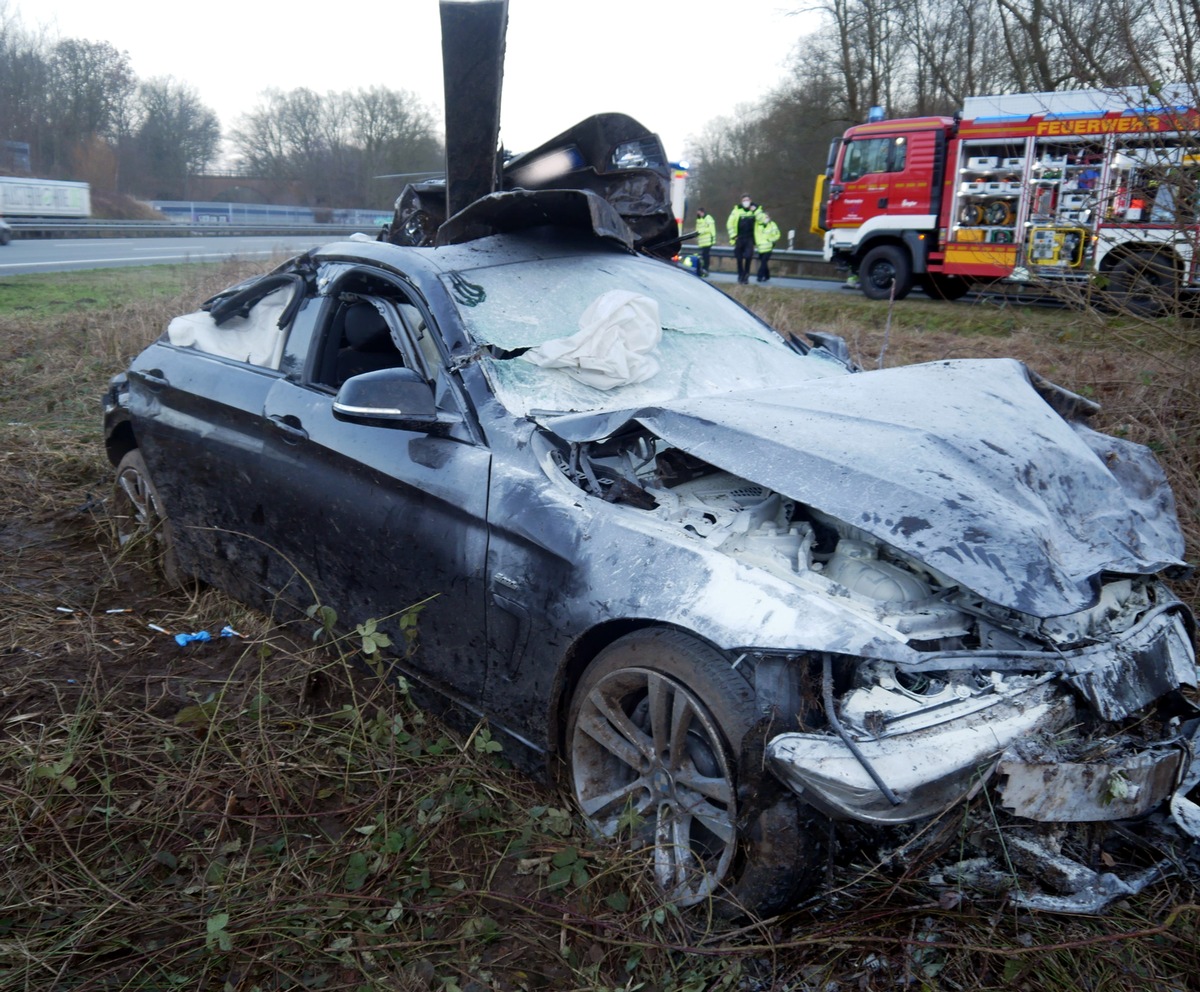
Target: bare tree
(721,162)
(174,137)
(956,49)
(926,56)
(24,82)
(261,139)
(1176,25)
(1061,44)
(862,43)
(90,82)
(397,134)
(772,150)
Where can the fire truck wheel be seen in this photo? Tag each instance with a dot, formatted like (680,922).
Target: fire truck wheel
(941,286)
(886,273)
(1143,285)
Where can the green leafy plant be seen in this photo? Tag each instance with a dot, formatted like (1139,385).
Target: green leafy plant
(372,637)
(569,868)
(326,617)
(1115,788)
(215,934)
(56,772)
(484,743)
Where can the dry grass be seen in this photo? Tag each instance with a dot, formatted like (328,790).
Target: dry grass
(270,834)
(261,813)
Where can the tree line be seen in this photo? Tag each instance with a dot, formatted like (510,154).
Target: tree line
(84,114)
(921,57)
(341,149)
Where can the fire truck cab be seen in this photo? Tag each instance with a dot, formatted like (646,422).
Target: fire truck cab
(1044,187)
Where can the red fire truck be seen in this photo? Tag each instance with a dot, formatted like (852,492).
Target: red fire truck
(1035,187)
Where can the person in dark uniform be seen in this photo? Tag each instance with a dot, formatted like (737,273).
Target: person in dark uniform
(740,229)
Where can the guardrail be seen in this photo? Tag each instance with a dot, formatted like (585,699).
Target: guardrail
(784,261)
(789,254)
(165,229)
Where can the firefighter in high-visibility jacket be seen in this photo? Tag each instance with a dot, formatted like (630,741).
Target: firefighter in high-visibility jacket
(706,237)
(740,228)
(766,233)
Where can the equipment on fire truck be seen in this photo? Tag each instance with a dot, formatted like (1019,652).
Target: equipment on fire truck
(1055,246)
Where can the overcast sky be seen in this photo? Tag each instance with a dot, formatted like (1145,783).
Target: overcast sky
(672,64)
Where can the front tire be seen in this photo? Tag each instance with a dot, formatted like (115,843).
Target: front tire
(886,273)
(653,736)
(138,516)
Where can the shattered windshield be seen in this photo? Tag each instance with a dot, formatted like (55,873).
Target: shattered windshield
(685,339)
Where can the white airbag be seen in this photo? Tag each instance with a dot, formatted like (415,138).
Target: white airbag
(617,334)
(256,339)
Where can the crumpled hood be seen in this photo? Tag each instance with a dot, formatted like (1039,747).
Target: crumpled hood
(960,464)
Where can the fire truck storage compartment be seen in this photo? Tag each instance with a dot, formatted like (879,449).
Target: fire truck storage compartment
(1072,173)
(1065,178)
(991,178)
(1057,246)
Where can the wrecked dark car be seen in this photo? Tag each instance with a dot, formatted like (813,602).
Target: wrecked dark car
(725,586)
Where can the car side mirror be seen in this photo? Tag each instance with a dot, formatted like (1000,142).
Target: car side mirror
(401,397)
(832,343)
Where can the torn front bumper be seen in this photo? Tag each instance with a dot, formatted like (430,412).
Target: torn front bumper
(928,769)
(921,762)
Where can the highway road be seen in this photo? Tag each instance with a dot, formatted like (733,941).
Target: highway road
(24,257)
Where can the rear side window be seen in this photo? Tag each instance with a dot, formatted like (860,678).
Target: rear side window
(246,323)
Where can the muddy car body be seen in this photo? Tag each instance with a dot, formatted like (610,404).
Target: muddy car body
(724,584)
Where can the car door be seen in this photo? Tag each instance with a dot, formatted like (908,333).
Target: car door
(198,412)
(371,518)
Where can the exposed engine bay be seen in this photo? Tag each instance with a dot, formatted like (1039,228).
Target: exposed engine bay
(754,524)
(1055,711)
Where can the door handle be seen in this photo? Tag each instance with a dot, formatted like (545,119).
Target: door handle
(151,377)
(289,426)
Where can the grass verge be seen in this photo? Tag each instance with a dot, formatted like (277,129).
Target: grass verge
(98,289)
